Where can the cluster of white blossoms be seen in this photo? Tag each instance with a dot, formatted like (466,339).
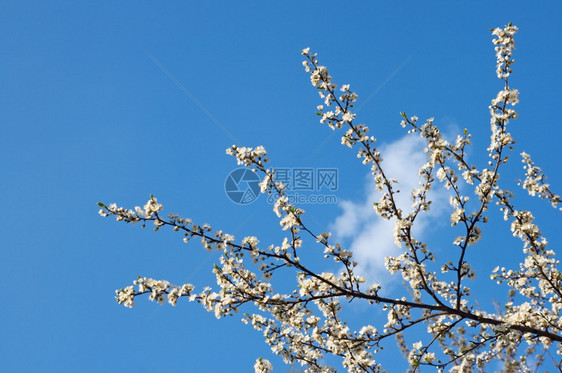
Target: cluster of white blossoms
(248,156)
(262,366)
(149,210)
(159,291)
(505,44)
(534,182)
(305,325)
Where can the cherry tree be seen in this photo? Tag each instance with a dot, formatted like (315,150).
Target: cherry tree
(306,325)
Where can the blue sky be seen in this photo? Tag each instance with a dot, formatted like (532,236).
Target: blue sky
(91,109)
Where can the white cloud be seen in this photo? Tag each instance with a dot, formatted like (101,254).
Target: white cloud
(369,236)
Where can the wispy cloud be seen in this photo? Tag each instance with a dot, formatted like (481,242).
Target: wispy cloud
(369,236)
